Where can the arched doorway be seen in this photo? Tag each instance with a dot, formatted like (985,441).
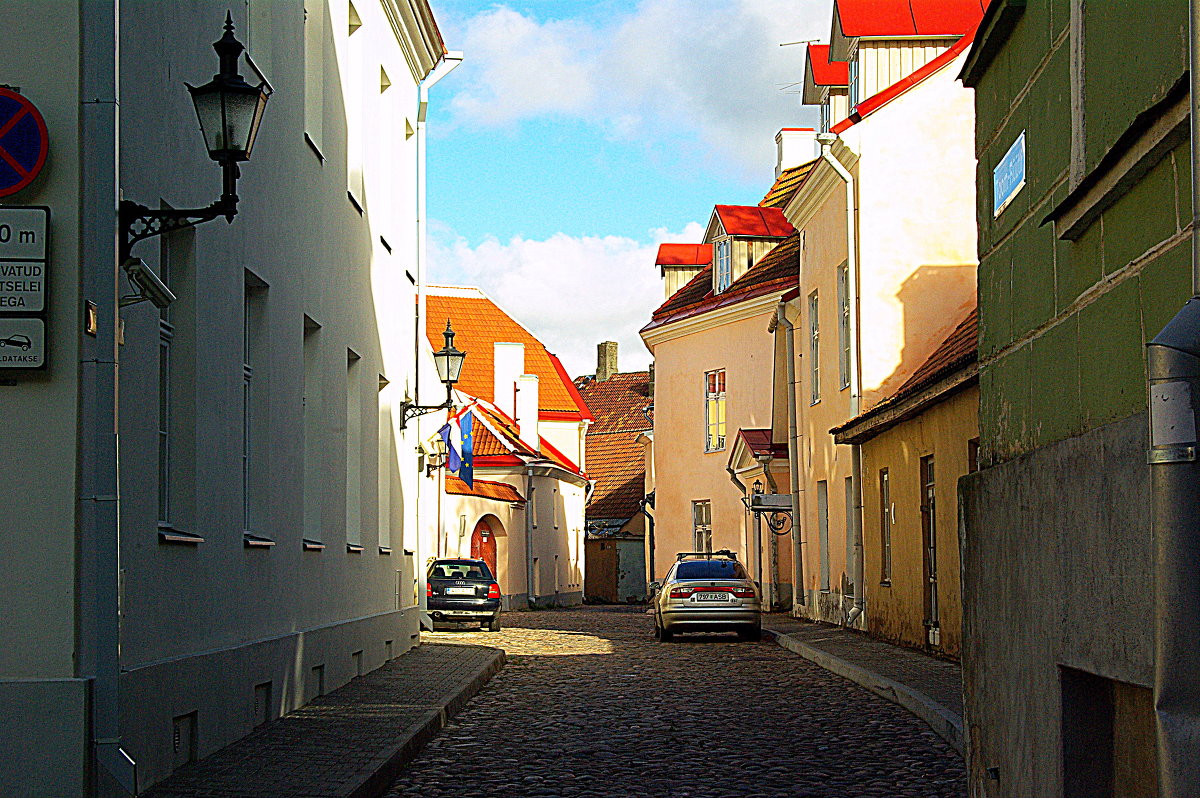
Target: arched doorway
(483,544)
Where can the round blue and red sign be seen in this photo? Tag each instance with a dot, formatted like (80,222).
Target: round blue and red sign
(24,142)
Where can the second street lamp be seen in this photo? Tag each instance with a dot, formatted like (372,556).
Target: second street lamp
(449,362)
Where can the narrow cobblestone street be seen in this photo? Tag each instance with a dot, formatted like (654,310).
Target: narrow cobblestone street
(590,705)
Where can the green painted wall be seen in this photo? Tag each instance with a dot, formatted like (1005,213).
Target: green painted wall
(1063,324)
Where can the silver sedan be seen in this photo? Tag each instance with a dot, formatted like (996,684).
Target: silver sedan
(707,592)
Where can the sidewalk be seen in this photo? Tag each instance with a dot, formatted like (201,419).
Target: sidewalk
(350,743)
(928,687)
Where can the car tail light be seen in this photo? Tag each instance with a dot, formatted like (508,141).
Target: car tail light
(428,590)
(743,592)
(682,592)
(493,591)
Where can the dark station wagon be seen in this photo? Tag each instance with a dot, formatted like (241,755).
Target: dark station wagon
(463,591)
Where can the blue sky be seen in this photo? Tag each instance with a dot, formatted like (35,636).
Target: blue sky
(577,136)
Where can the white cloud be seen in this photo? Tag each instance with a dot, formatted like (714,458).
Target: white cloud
(712,73)
(571,292)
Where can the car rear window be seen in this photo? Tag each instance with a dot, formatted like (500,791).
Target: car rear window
(710,569)
(459,570)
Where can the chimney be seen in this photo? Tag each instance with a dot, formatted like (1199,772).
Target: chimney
(527,410)
(606,360)
(509,364)
(794,146)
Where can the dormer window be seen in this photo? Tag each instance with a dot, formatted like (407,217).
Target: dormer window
(724,269)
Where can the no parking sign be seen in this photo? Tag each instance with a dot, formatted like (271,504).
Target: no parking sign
(23,142)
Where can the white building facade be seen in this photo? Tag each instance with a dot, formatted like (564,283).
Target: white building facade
(247,540)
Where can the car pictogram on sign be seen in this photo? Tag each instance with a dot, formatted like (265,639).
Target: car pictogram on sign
(21,341)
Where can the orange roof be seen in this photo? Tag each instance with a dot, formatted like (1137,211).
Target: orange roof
(614,457)
(959,348)
(824,71)
(508,448)
(898,18)
(684,255)
(785,185)
(778,270)
(479,324)
(484,489)
(751,220)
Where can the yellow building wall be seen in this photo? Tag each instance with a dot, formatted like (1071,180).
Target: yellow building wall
(682,471)
(896,611)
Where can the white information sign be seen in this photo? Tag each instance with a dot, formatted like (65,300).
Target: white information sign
(23,233)
(1008,178)
(22,343)
(22,286)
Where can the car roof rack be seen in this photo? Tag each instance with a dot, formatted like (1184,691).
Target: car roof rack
(706,555)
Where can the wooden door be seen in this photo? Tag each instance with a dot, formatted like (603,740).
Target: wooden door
(483,546)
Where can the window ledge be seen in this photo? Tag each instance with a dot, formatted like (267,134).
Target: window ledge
(354,548)
(387,550)
(354,201)
(313,545)
(313,145)
(169,534)
(885,583)
(253,541)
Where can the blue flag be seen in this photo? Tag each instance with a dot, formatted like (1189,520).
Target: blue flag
(467,456)
(449,434)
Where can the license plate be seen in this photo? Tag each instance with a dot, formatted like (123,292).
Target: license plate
(457,612)
(721,596)
(460,591)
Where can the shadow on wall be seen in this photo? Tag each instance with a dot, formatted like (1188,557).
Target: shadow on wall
(933,300)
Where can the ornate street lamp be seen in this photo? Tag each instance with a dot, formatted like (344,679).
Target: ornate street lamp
(229,110)
(449,362)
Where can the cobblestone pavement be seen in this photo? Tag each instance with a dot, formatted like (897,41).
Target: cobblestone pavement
(590,705)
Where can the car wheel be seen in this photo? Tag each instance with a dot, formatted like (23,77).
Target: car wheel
(750,635)
(493,625)
(661,634)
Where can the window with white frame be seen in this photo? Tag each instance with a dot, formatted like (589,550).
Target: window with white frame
(814,350)
(854,88)
(825,112)
(885,527)
(702,525)
(724,275)
(714,410)
(843,288)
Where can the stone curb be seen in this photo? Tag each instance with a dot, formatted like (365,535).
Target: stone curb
(944,723)
(378,774)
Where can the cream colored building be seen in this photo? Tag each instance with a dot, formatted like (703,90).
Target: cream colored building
(258,545)
(886,225)
(530,428)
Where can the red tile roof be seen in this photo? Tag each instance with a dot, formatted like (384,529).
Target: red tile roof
(754,221)
(759,442)
(956,357)
(877,101)
(614,457)
(617,403)
(478,324)
(484,489)
(899,18)
(778,270)
(504,446)
(825,72)
(959,348)
(684,255)
(785,185)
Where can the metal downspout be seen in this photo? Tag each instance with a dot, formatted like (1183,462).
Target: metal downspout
(1173,360)
(799,594)
(827,155)
(98,650)
(529,511)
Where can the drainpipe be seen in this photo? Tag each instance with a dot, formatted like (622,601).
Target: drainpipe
(1173,360)
(773,546)
(799,593)
(648,499)
(530,509)
(827,155)
(98,650)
